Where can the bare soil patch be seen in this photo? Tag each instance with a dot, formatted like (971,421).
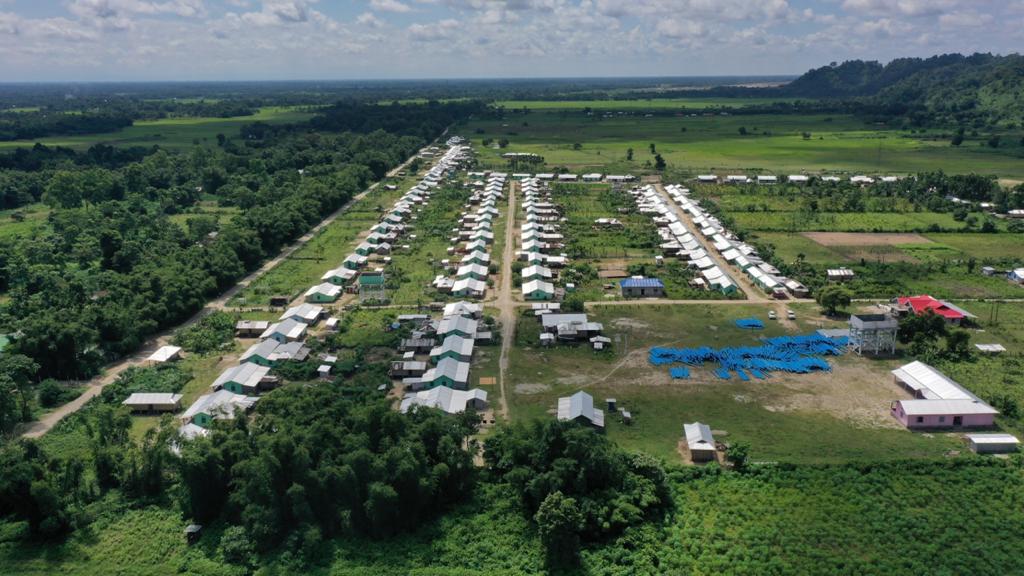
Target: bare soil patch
(630,323)
(865,238)
(531,388)
(855,391)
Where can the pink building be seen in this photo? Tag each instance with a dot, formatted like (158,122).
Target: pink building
(943,413)
(938,402)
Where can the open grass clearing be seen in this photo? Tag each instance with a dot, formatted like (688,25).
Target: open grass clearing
(174,133)
(24,221)
(775,143)
(864,239)
(640,104)
(325,251)
(847,410)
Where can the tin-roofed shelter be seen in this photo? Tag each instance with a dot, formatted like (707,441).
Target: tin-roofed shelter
(305,313)
(325,292)
(700,442)
(450,400)
(998,443)
(220,405)
(153,402)
(165,354)
(249,379)
(580,408)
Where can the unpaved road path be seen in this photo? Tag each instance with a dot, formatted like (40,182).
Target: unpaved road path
(112,371)
(505,303)
(754,294)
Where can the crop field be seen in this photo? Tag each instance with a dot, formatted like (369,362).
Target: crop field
(845,221)
(847,409)
(585,203)
(174,133)
(776,143)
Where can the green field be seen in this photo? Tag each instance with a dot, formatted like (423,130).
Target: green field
(637,105)
(172,133)
(324,252)
(844,221)
(23,221)
(776,416)
(775,143)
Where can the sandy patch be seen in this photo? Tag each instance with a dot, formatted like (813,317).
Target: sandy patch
(865,238)
(630,323)
(531,388)
(575,380)
(854,391)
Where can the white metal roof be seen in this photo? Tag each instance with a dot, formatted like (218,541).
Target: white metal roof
(699,436)
(146,398)
(996,438)
(946,407)
(577,405)
(930,383)
(447,399)
(164,354)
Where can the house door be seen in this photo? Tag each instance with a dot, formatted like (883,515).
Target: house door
(958,420)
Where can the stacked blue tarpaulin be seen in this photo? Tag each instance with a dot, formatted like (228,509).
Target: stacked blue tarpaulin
(794,354)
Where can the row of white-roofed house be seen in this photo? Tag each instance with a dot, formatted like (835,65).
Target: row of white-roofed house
(592,177)
(736,252)
(472,240)
(769,179)
(238,388)
(396,223)
(435,363)
(541,242)
(679,241)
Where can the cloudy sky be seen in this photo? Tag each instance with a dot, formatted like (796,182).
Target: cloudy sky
(80,40)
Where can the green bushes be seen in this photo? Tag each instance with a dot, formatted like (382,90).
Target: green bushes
(210,333)
(575,482)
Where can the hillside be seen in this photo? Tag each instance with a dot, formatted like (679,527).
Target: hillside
(978,90)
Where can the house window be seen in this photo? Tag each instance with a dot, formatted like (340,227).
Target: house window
(942,419)
(920,419)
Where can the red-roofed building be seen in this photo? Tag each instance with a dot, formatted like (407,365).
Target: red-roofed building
(924,303)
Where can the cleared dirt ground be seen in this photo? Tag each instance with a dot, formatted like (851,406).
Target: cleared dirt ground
(865,238)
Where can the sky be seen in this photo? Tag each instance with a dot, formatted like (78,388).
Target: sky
(147,40)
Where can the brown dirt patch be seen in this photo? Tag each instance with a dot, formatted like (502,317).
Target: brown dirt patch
(865,238)
(856,390)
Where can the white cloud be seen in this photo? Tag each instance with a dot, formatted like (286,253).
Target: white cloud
(389,6)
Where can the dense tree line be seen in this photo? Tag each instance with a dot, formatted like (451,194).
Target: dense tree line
(576,484)
(112,267)
(26,125)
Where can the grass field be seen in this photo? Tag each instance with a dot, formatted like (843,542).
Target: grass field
(171,132)
(35,216)
(206,208)
(775,143)
(844,221)
(846,410)
(638,105)
(324,252)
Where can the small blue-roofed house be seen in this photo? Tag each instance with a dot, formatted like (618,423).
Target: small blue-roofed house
(640,287)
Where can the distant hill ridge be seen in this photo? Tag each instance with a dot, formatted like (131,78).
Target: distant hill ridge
(951,88)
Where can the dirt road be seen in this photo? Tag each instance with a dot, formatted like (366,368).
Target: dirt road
(112,371)
(505,303)
(754,294)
